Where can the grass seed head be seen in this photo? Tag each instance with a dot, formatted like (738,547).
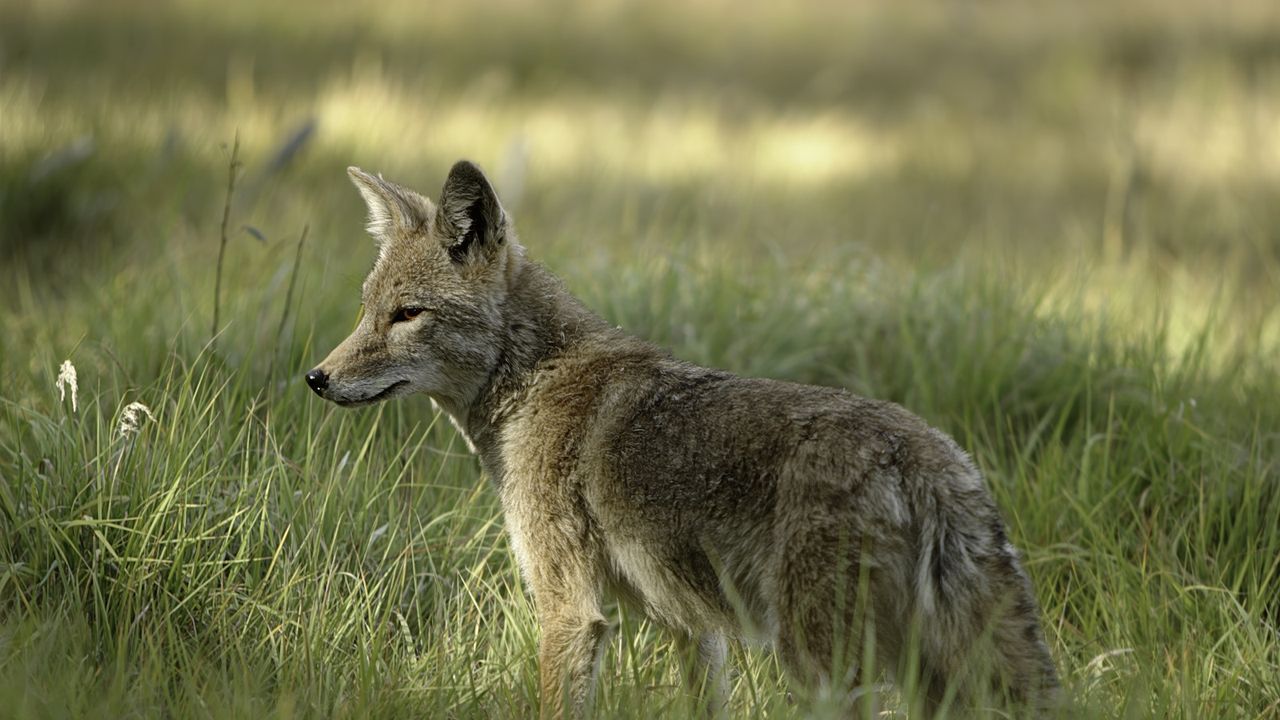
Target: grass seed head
(131,418)
(67,379)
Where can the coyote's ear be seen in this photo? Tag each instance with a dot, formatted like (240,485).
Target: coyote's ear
(470,219)
(391,207)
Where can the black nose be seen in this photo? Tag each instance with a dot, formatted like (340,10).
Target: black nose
(318,379)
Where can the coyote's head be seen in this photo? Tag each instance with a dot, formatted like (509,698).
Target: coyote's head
(433,303)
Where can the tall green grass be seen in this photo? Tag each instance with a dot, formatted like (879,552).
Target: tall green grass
(1050,267)
(254,551)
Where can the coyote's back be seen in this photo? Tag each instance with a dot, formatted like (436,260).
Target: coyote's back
(839,528)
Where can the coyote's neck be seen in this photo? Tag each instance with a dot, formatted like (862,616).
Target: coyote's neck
(543,321)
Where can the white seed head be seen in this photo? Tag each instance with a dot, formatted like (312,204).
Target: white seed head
(67,379)
(131,418)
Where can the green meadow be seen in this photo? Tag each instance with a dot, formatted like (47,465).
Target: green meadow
(1053,230)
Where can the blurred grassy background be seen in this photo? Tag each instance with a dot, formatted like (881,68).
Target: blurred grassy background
(1052,229)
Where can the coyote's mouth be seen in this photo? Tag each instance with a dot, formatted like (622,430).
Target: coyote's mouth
(383,394)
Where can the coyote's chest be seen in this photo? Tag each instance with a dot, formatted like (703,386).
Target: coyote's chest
(547,542)
(553,468)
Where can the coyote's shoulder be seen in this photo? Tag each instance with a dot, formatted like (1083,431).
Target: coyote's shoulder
(725,507)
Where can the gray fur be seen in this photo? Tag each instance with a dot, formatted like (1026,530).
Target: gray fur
(725,507)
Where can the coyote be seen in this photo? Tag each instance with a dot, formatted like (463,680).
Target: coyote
(839,529)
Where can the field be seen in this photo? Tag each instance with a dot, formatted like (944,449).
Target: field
(1052,230)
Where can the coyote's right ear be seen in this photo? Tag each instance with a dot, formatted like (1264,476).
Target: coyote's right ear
(391,207)
(471,219)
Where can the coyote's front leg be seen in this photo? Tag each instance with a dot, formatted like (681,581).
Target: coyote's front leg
(573,638)
(564,573)
(706,674)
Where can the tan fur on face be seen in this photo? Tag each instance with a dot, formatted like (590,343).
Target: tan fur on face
(722,506)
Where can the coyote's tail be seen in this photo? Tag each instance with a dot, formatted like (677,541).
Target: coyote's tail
(979,618)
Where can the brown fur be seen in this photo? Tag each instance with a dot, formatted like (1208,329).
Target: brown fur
(725,507)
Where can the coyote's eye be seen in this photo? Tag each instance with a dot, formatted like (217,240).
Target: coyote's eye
(406,313)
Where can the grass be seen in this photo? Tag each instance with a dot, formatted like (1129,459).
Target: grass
(1050,231)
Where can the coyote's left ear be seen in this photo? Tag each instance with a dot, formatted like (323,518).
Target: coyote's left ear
(391,207)
(470,221)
